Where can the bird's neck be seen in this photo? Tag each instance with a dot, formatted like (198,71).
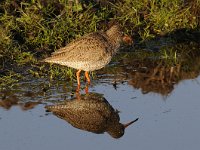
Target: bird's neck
(115,43)
(114,40)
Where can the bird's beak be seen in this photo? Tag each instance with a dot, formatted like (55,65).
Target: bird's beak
(126,125)
(127,39)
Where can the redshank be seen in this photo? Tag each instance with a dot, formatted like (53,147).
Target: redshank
(90,112)
(90,52)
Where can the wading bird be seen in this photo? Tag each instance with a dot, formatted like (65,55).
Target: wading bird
(90,52)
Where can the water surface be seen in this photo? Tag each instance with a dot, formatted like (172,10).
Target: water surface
(165,98)
(170,122)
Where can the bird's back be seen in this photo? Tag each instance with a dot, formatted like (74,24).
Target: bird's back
(91,52)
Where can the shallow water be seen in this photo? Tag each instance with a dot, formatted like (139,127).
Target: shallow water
(170,122)
(164,98)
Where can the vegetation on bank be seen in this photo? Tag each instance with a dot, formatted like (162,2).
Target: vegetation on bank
(31,29)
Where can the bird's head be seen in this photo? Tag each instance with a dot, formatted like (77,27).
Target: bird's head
(118,129)
(116,35)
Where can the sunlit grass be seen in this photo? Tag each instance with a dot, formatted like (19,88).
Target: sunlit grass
(31,30)
(169,55)
(9,80)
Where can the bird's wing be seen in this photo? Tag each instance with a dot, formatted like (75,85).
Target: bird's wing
(91,47)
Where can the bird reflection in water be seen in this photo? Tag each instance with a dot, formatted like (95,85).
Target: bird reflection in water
(91,112)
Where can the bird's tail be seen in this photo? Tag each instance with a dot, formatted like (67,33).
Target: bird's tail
(52,108)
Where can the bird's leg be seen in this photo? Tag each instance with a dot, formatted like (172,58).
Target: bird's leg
(78,92)
(87,77)
(86,89)
(78,89)
(78,77)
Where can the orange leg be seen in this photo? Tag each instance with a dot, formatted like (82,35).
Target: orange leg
(78,92)
(87,77)
(78,77)
(86,89)
(78,88)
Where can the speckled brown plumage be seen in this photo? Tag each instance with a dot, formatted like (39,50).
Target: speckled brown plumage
(91,112)
(90,52)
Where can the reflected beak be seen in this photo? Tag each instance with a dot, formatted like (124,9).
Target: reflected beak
(127,39)
(126,125)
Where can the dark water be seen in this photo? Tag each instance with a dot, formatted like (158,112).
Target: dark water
(165,98)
